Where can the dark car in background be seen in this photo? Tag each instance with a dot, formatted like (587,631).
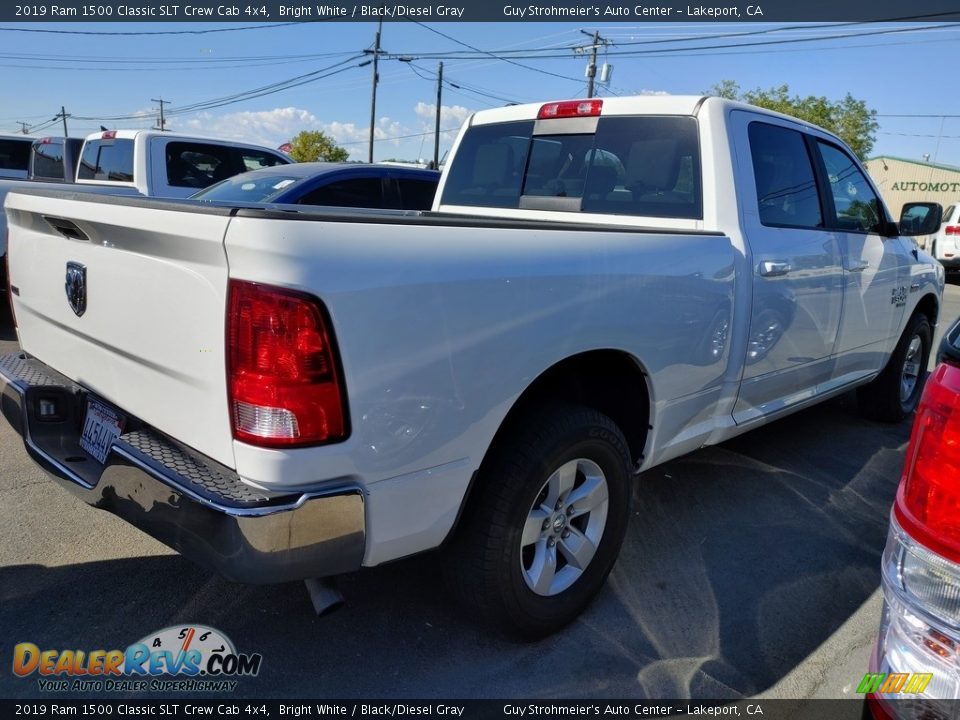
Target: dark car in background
(334,184)
(916,663)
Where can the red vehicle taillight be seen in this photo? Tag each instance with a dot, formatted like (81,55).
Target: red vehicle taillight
(928,500)
(952,230)
(282,370)
(570,109)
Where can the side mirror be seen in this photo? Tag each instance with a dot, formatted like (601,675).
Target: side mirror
(920,218)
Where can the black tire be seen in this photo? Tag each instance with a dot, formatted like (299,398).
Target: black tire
(484,563)
(881,399)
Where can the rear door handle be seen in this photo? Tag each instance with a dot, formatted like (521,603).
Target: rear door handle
(774,268)
(858,266)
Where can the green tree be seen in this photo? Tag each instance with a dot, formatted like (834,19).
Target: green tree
(849,119)
(313,145)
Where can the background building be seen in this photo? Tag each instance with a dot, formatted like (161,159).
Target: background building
(900,181)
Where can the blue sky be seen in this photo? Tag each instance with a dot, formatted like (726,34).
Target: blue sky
(103,76)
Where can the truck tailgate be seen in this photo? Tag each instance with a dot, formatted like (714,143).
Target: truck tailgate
(150,339)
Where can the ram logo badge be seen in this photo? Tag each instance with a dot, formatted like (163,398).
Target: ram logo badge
(76,287)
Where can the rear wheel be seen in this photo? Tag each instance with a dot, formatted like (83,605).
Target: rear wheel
(544,530)
(896,391)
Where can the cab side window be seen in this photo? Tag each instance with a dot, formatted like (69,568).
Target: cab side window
(786,184)
(857,206)
(356,192)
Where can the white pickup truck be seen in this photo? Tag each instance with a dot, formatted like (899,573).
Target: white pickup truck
(603,285)
(129,162)
(14,156)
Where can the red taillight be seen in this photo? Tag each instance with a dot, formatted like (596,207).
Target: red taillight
(570,108)
(952,230)
(46,141)
(109,135)
(282,368)
(928,500)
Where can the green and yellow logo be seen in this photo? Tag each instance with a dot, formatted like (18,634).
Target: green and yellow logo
(891,683)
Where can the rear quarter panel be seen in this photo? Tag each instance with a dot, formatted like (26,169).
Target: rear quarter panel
(441,328)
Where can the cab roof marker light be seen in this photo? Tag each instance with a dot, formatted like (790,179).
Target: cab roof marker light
(570,109)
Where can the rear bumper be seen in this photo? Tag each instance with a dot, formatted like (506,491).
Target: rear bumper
(187,501)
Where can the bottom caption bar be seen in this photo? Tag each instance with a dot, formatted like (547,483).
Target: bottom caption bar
(852,709)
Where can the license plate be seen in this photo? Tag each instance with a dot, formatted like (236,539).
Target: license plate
(101,427)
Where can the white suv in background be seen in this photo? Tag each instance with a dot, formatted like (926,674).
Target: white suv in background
(945,245)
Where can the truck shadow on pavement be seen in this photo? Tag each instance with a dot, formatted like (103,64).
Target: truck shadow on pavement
(740,561)
(6,319)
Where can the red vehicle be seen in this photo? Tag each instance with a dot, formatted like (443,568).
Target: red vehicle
(919,642)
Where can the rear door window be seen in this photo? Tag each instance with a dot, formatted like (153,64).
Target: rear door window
(356,192)
(110,160)
(199,165)
(47,160)
(786,185)
(638,165)
(15,154)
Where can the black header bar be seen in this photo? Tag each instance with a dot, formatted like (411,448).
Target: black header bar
(580,11)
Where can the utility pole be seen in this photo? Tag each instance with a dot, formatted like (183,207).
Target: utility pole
(23,126)
(592,66)
(376,79)
(436,134)
(163,121)
(63,115)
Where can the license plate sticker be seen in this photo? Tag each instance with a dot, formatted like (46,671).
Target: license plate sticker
(101,427)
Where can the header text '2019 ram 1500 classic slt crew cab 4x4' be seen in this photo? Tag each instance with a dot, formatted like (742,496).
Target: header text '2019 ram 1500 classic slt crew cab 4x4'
(602,285)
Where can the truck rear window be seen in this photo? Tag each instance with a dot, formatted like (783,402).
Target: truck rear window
(641,165)
(15,154)
(47,160)
(200,165)
(107,159)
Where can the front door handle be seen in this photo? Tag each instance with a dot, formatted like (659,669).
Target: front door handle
(774,268)
(858,266)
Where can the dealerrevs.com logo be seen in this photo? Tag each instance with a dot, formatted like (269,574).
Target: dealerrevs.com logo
(176,659)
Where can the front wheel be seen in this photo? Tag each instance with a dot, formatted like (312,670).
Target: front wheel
(543,532)
(895,393)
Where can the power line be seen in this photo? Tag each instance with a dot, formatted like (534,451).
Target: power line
(154,32)
(262,91)
(916,116)
(399,137)
(949,137)
(680,52)
(488,54)
(784,28)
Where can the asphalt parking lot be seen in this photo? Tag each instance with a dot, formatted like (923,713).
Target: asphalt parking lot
(750,568)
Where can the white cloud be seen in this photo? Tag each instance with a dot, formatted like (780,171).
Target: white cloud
(450,115)
(275,127)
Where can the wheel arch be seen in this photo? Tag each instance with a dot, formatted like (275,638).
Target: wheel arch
(611,381)
(929,306)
